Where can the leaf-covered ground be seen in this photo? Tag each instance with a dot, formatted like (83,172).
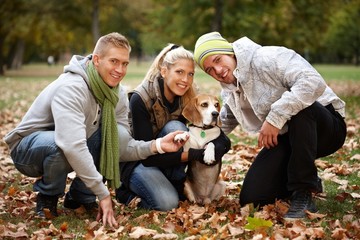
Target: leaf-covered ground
(224,219)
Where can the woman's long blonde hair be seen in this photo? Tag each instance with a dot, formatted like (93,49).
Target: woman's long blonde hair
(168,57)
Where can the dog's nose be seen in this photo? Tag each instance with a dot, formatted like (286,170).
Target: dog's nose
(215,114)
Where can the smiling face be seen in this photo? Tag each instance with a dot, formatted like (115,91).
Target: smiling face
(178,78)
(112,65)
(221,67)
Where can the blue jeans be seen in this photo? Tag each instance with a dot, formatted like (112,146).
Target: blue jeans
(159,188)
(37,155)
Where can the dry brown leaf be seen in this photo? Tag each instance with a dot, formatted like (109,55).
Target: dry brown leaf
(355,195)
(165,236)
(138,232)
(14,233)
(196,212)
(168,227)
(100,234)
(64,227)
(235,230)
(339,233)
(313,216)
(12,191)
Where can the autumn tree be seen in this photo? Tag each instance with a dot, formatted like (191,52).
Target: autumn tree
(343,35)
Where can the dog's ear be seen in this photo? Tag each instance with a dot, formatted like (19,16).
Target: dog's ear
(218,123)
(191,113)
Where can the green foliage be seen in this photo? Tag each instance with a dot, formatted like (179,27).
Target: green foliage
(320,29)
(257,223)
(343,35)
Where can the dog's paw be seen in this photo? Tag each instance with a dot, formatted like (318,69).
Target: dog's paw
(218,190)
(209,154)
(181,137)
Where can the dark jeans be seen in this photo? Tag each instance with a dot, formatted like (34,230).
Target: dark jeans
(314,132)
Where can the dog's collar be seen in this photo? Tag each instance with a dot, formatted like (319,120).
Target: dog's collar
(203,128)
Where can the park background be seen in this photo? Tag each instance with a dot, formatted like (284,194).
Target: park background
(326,33)
(322,31)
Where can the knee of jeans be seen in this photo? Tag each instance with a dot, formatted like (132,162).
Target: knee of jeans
(57,164)
(168,203)
(172,126)
(29,170)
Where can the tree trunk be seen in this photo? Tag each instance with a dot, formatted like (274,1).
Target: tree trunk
(2,57)
(16,54)
(95,21)
(217,20)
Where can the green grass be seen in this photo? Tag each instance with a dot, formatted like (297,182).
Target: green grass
(19,88)
(339,72)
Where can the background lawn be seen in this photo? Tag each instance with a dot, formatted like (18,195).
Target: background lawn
(339,205)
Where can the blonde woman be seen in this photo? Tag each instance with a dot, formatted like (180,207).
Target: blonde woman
(156,106)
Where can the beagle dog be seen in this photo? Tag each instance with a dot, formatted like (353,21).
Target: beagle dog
(202,184)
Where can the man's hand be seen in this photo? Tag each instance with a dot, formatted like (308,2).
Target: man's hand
(106,212)
(268,135)
(168,144)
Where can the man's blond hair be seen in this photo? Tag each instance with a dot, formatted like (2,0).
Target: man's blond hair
(114,39)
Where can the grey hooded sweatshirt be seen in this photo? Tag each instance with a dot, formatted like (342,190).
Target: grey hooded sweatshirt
(67,107)
(273,84)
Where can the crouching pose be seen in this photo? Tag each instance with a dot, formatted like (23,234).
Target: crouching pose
(276,93)
(80,123)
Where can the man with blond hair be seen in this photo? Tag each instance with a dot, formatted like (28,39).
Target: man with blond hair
(80,123)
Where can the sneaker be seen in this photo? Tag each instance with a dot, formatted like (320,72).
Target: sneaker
(69,202)
(300,201)
(46,202)
(123,195)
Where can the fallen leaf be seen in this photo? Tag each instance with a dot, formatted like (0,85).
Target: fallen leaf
(256,223)
(138,232)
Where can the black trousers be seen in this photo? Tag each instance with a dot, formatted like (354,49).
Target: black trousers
(314,132)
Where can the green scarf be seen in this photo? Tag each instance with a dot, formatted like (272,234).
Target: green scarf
(108,98)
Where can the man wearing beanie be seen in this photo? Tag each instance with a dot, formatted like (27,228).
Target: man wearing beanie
(274,92)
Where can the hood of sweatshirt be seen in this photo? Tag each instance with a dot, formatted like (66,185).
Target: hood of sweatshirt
(244,49)
(77,65)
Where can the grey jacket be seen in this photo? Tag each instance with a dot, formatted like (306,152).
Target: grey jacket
(67,107)
(273,84)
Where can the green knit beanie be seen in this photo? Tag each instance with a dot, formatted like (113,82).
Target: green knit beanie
(211,44)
